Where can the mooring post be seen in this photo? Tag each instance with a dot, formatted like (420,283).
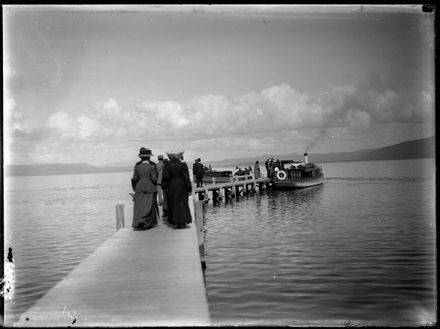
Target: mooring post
(214,196)
(119,217)
(206,196)
(198,214)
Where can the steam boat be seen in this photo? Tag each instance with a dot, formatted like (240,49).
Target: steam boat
(291,174)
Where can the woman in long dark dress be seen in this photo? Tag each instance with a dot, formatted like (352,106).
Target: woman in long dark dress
(178,186)
(145,209)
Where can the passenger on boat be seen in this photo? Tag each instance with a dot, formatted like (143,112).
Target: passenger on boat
(257,170)
(266,164)
(271,168)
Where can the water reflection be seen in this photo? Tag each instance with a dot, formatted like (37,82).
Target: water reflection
(342,251)
(299,200)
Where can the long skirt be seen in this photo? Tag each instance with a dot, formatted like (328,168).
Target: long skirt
(178,208)
(145,210)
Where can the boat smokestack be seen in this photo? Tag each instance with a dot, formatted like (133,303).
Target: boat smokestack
(306,158)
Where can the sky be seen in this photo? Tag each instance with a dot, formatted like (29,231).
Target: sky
(93,84)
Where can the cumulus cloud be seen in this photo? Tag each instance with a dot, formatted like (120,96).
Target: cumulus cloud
(355,107)
(17,132)
(81,128)
(382,106)
(277,108)
(15,123)
(266,120)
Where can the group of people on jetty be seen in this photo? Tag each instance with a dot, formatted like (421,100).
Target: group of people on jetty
(167,183)
(164,183)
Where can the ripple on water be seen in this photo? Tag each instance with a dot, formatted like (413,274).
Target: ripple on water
(358,250)
(338,252)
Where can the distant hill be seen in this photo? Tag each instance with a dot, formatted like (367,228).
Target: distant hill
(420,148)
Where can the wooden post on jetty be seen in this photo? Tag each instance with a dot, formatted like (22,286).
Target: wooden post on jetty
(198,214)
(245,187)
(215,196)
(119,217)
(198,218)
(220,194)
(237,191)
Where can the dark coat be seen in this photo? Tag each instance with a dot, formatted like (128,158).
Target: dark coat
(198,169)
(145,209)
(144,177)
(176,181)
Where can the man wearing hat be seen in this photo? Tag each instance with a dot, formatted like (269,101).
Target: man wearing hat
(198,171)
(160,192)
(145,210)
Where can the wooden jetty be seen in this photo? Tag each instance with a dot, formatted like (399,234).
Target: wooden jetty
(134,279)
(140,278)
(238,186)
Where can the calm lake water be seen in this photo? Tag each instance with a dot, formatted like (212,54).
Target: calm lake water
(358,250)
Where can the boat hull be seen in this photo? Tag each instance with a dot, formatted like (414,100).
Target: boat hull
(296,184)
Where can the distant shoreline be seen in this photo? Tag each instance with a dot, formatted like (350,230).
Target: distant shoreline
(417,149)
(117,170)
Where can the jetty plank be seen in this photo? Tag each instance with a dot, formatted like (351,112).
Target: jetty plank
(135,278)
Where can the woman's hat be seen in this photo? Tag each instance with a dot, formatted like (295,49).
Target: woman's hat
(175,153)
(144,152)
(160,157)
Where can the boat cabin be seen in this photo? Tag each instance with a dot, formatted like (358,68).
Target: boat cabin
(294,170)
